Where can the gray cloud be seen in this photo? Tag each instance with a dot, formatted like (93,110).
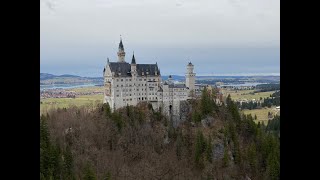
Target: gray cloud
(87,31)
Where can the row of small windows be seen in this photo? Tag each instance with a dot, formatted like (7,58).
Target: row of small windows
(139,80)
(142,98)
(125,79)
(138,85)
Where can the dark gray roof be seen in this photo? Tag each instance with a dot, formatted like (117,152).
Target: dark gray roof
(121,45)
(177,86)
(125,68)
(151,68)
(133,60)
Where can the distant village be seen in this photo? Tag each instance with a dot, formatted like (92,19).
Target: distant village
(64,93)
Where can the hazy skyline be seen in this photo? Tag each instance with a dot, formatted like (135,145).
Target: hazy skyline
(219,37)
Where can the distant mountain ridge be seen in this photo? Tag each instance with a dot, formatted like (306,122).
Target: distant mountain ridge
(46,78)
(49,79)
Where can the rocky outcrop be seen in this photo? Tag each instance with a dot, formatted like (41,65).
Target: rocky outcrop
(207,122)
(184,111)
(218,150)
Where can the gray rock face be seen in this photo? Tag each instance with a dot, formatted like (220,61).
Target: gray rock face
(218,150)
(206,122)
(184,110)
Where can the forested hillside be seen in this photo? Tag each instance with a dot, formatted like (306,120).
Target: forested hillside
(215,142)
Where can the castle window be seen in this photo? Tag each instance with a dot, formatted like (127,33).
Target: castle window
(145,79)
(117,85)
(117,95)
(142,98)
(121,79)
(121,85)
(124,100)
(129,79)
(139,98)
(117,80)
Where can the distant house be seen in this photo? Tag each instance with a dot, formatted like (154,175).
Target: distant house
(278,107)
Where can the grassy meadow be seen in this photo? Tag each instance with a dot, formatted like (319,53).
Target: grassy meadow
(80,100)
(262,114)
(245,94)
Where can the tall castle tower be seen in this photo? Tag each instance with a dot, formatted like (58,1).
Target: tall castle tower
(190,77)
(121,53)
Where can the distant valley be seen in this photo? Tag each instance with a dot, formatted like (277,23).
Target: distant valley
(55,81)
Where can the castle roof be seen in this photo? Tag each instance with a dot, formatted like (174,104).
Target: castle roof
(177,86)
(125,68)
(121,45)
(133,60)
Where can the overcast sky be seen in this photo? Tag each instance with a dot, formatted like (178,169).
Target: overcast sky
(218,36)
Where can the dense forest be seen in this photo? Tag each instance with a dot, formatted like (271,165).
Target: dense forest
(215,142)
(267,87)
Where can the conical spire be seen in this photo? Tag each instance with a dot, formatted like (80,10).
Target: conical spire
(133,59)
(120,44)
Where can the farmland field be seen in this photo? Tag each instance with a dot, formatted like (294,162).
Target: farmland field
(262,114)
(80,100)
(246,94)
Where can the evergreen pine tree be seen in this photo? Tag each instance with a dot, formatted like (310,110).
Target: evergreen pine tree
(107,109)
(225,156)
(68,163)
(209,150)
(88,173)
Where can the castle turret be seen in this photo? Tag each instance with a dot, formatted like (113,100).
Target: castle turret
(133,65)
(190,77)
(121,53)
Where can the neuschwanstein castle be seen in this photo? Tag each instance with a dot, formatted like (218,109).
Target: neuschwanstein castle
(130,83)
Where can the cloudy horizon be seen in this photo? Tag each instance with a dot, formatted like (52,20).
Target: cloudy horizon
(219,37)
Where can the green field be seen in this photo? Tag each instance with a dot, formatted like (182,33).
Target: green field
(245,94)
(87,89)
(262,114)
(54,103)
